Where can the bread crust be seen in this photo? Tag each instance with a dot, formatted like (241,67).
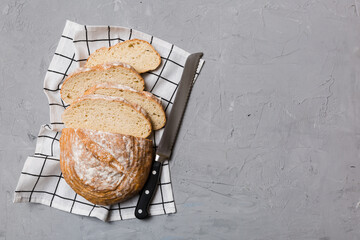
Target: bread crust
(99,50)
(129,158)
(101,67)
(145,94)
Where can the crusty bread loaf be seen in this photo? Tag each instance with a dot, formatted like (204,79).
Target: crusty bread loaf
(138,53)
(75,85)
(108,114)
(146,100)
(105,168)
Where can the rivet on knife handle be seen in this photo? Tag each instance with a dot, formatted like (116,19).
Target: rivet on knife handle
(169,135)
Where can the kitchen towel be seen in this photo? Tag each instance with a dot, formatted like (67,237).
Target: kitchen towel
(41,180)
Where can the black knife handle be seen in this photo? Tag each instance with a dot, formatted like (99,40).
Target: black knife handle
(148,191)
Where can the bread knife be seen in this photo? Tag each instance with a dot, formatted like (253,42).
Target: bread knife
(169,135)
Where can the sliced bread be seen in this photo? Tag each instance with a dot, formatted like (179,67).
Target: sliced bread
(138,53)
(107,114)
(77,83)
(146,100)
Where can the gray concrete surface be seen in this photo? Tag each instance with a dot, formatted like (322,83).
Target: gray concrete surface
(270,144)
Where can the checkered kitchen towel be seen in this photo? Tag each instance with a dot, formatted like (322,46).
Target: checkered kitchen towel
(41,180)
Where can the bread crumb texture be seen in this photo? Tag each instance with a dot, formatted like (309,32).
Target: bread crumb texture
(138,53)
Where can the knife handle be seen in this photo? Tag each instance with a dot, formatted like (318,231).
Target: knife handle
(141,210)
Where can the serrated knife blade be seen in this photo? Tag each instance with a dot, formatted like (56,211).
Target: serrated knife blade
(168,138)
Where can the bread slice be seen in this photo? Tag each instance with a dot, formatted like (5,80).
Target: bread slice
(138,53)
(105,168)
(108,114)
(150,103)
(75,85)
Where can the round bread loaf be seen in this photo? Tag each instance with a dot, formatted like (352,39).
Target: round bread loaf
(105,168)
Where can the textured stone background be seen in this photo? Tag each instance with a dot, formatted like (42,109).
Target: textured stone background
(270,144)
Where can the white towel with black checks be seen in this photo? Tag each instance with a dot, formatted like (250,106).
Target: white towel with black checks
(41,179)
